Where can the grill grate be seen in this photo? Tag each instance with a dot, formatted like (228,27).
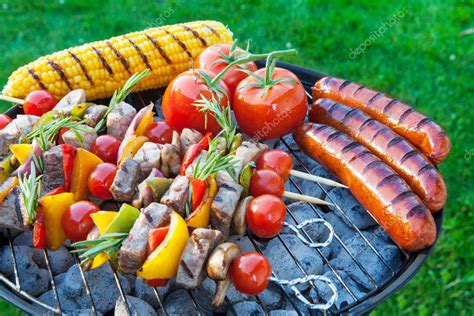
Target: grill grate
(31,304)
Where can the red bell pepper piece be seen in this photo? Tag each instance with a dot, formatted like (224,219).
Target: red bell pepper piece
(157,282)
(69,152)
(198,189)
(193,151)
(60,140)
(156,237)
(58,190)
(39,231)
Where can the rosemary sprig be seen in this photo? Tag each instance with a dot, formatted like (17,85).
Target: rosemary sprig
(223,116)
(46,134)
(214,162)
(30,188)
(120,95)
(107,243)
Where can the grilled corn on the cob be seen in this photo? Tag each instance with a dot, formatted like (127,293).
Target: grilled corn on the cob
(101,67)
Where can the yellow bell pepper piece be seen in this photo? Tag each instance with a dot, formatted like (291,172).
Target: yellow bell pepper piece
(102,220)
(84,163)
(163,262)
(5,168)
(135,143)
(201,216)
(7,186)
(146,122)
(53,207)
(21,151)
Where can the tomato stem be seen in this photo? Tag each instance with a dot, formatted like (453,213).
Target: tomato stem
(253,57)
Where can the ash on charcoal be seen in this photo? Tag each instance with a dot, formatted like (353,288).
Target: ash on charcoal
(137,306)
(341,229)
(317,231)
(233,296)
(283,264)
(324,293)
(24,239)
(282,312)
(60,260)
(59,278)
(368,259)
(204,295)
(83,312)
(248,308)
(33,279)
(179,303)
(351,207)
(102,285)
(147,294)
(243,242)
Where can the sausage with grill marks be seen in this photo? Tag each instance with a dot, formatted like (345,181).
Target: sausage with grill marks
(376,186)
(421,131)
(394,150)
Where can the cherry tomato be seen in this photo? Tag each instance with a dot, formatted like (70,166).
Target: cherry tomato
(266,181)
(265,215)
(209,60)
(274,113)
(159,132)
(4,120)
(106,148)
(101,179)
(277,160)
(250,273)
(76,220)
(178,100)
(39,102)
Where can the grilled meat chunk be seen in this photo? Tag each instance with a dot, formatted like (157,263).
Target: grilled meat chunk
(87,137)
(247,152)
(70,100)
(94,113)
(133,252)
(11,134)
(53,175)
(170,160)
(192,266)
(224,206)
(177,195)
(176,141)
(188,137)
(149,157)
(125,183)
(119,119)
(13,212)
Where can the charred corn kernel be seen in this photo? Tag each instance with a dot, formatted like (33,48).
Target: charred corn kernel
(101,67)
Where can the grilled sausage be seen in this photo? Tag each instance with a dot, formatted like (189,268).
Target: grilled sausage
(376,186)
(421,131)
(394,150)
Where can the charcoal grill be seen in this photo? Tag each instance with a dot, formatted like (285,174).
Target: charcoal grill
(11,291)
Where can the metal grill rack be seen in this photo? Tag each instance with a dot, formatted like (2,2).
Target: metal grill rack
(411,262)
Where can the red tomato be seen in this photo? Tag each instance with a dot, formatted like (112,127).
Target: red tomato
(106,148)
(277,160)
(208,60)
(156,237)
(60,135)
(101,179)
(77,221)
(39,102)
(266,181)
(4,120)
(250,273)
(159,132)
(265,215)
(178,100)
(273,114)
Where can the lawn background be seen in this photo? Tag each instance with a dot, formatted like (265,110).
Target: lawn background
(424,59)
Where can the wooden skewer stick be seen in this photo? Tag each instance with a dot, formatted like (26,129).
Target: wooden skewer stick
(11,99)
(306,198)
(313,178)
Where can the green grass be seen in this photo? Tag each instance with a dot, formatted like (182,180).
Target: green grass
(422,59)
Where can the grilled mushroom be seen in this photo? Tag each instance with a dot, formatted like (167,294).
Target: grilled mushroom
(218,267)
(239,224)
